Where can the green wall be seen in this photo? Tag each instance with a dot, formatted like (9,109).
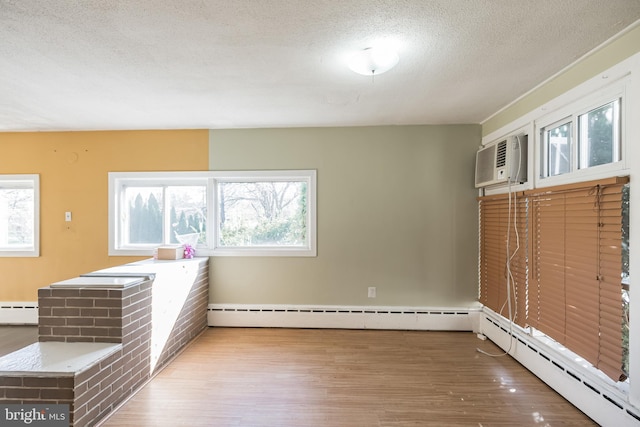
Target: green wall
(396,210)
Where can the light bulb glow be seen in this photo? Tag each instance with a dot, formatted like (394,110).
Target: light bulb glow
(373,61)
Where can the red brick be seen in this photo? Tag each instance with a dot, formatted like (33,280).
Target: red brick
(60,331)
(65,312)
(56,393)
(40,382)
(80,321)
(94,293)
(22,393)
(44,311)
(79,302)
(10,381)
(94,332)
(108,322)
(52,321)
(65,293)
(108,303)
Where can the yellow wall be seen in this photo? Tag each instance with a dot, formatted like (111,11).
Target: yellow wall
(73,169)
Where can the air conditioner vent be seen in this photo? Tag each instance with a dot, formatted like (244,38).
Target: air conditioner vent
(501,162)
(501,154)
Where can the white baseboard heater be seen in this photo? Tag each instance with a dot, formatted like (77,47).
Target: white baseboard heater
(587,389)
(296,316)
(18,313)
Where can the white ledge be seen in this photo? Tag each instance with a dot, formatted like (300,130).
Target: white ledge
(54,358)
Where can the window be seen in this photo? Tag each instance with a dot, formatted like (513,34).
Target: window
(598,141)
(556,147)
(269,213)
(582,140)
(19,215)
(265,213)
(599,135)
(149,209)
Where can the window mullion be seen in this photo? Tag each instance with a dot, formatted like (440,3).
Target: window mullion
(166,216)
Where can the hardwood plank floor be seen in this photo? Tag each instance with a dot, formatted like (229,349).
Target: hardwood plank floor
(14,338)
(309,377)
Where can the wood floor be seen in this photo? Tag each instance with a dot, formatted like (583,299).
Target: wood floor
(324,378)
(14,338)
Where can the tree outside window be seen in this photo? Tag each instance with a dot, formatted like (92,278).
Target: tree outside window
(262,213)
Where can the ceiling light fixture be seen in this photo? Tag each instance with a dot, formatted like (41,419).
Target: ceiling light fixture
(373,61)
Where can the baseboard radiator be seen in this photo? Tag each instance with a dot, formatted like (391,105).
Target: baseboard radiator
(18,313)
(587,389)
(342,317)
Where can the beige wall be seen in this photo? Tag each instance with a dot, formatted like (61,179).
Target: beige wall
(73,169)
(396,210)
(619,49)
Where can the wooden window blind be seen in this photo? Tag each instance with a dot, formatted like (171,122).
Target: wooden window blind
(566,274)
(575,285)
(496,219)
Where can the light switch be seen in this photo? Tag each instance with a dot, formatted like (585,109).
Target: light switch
(67,216)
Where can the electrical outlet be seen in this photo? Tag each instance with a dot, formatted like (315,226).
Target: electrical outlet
(371,292)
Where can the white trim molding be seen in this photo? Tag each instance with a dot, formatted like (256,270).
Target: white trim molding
(345,317)
(18,313)
(589,390)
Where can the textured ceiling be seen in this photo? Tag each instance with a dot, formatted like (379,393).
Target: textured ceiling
(162,64)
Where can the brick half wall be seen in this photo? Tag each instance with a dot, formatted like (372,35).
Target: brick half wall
(152,322)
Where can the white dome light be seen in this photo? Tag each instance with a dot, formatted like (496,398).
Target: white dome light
(373,61)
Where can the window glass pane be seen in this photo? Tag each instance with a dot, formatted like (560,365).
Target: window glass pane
(268,213)
(558,149)
(144,218)
(188,214)
(16,218)
(264,213)
(599,136)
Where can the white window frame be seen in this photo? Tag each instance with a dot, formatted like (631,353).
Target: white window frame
(25,181)
(545,146)
(118,181)
(571,112)
(617,148)
(308,176)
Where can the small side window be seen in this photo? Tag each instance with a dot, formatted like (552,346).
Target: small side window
(599,135)
(19,215)
(556,149)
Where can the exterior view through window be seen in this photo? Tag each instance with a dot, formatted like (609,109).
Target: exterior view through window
(218,213)
(599,135)
(16,217)
(557,145)
(19,216)
(598,141)
(266,213)
(148,224)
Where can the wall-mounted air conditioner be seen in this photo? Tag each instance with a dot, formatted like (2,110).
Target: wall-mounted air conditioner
(502,162)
